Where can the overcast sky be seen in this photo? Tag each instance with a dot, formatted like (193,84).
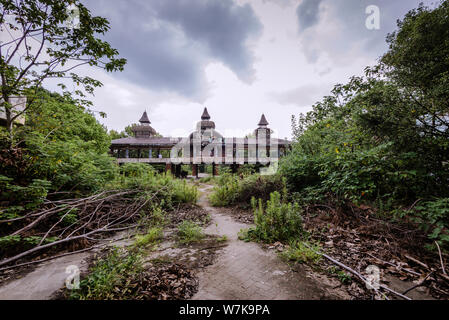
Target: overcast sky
(239,58)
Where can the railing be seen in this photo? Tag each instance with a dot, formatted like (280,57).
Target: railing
(144,160)
(199,160)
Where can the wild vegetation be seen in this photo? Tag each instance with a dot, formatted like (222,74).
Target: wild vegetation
(189,231)
(276,221)
(233,189)
(368,169)
(59,188)
(369,160)
(382,139)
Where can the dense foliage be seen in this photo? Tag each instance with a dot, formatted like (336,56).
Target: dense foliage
(232,189)
(62,147)
(171,191)
(278,220)
(384,138)
(61,153)
(114,270)
(43,43)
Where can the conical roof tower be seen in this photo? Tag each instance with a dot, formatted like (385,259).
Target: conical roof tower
(205,122)
(263,129)
(144,130)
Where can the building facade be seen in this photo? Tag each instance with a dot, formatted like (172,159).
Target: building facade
(203,146)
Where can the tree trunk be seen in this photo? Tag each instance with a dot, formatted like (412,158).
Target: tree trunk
(8,119)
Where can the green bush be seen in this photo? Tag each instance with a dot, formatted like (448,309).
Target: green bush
(189,231)
(433,218)
(153,235)
(206,180)
(21,198)
(226,190)
(136,169)
(14,244)
(300,251)
(278,221)
(170,191)
(62,143)
(259,187)
(185,192)
(230,189)
(108,274)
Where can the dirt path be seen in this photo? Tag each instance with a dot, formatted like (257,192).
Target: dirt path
(244,270)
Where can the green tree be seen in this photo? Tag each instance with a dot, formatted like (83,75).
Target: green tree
(42,45)
(385,134)
(114,134)
(417,61)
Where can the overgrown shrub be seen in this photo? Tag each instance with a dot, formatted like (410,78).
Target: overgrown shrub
(432,217)
(383,138)
(277,221)
(185,192)
(189,231)
(231,189)
(153,235)
(226,190)
(259,187)
(108,274)
(300,251)
(16,199)
(136,169)
(169,190)
(13,244)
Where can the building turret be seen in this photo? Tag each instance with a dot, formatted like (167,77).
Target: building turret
(144,130)
(263,129)
(205,122)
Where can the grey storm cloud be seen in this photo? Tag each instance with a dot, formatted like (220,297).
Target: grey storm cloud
(282,3)
(308,13)
(303,96)
(168,43)
(353,38)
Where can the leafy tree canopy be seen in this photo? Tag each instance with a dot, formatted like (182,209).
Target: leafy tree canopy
(43,45)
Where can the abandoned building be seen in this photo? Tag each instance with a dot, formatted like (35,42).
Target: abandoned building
(203,146)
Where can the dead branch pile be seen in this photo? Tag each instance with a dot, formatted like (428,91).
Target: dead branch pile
(96,215)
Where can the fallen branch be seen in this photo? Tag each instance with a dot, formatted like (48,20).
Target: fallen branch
(361,277)
(65,254)
(419,284)
(104,212)
(441,258)
(396,266)
(422,264)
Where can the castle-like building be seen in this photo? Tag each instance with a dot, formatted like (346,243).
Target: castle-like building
(203,146)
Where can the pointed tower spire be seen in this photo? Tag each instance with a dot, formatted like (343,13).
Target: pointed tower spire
(144,118)
(263,121)
(205,115)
